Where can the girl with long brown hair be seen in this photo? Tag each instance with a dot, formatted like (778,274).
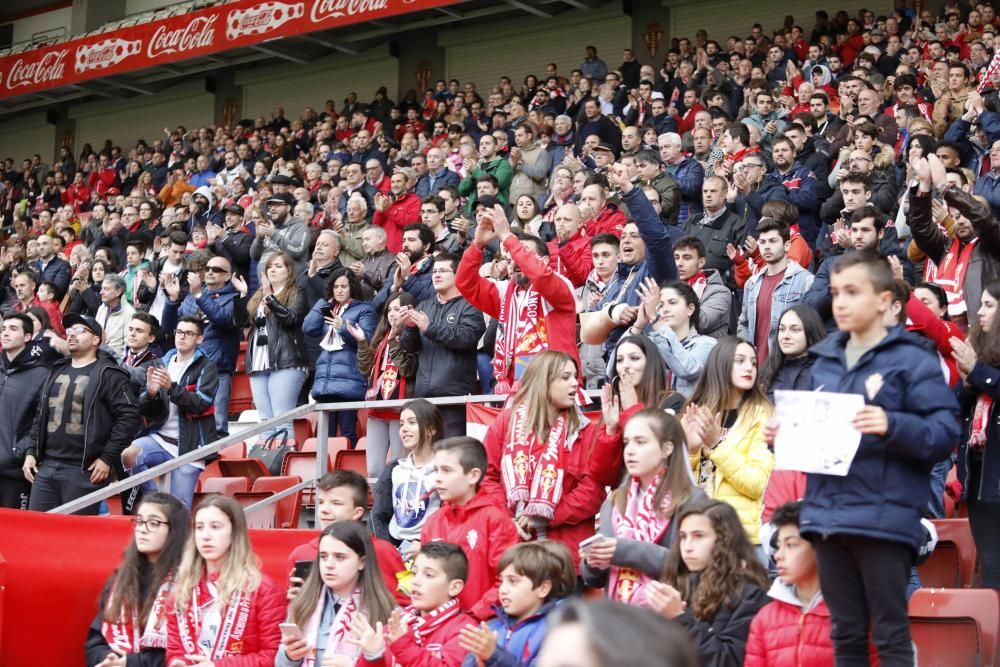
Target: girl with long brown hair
(637,520)
(223,605)
(540,452)
(713,583)
(276,350)
(724,423)
(343,586)
(132,618)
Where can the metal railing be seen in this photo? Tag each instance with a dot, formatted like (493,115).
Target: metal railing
(323,411)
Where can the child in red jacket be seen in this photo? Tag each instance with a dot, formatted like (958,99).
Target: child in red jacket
(341,495)
(468,518)
(794,629)
(427,633)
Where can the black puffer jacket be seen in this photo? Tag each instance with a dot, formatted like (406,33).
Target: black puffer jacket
(286,346)
(723,641)
(21,383)
(110,417)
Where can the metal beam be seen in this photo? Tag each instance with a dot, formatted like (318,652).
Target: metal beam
(319,41)
(91,91)
(279,54)
(449,12)
(134,89)
(528,8)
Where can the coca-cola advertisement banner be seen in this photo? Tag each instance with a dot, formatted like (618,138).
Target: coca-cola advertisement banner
(197,33)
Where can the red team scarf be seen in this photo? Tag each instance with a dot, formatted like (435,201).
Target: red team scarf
(124,635)
(385,375)
(950,276)
(423,626)
(639,523)
(521,334)
(698,283)
(534,484)
(340,630)
(229,635)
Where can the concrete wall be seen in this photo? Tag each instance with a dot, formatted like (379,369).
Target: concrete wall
(26,27)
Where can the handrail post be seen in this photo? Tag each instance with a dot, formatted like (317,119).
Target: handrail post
(322,444)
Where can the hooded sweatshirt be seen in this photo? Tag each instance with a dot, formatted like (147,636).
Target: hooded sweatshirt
(484,531)
(413,498)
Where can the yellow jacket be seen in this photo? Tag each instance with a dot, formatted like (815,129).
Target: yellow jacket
(743,464)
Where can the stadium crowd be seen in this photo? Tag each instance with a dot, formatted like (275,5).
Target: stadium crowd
(804,208)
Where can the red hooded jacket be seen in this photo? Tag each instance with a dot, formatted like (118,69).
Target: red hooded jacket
(389,563)
(406,652)
(402,212)
(609,219)
(583,486)
(484,531)
(573,258)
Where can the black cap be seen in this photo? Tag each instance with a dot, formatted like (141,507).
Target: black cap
(235,208)
(281,179)
(89,323)
(489,201)
(284,198)
(605,146)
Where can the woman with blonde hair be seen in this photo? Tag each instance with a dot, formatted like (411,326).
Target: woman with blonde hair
(224,610)
(276,349)
(543,463)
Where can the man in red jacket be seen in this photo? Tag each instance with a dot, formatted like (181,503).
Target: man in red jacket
(399,208)
(469,519)
(571,249)
(600,215)
(341,495)
(535,311)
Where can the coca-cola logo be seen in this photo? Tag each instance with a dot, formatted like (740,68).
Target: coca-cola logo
(261,18)
(48,69)
(328,9)
(197,34)
(104,54)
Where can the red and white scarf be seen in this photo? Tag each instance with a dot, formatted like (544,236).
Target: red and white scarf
(336,642)
(980,422)
(228,638)
(423,626)
(950,276)
(124,635)
(698,283)
(385,375)
(639,523)
(521,333)
(534,483)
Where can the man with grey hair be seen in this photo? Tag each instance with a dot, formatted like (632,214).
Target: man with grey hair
(350,225)
(562,141)
(394,212)
(114,314)
(378,264)
(438,175)
(324,261)
(687,173)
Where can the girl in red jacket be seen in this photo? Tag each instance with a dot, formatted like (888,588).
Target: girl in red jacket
(131,626)
(793,630)
(344,576)
(225,613)
(540,450)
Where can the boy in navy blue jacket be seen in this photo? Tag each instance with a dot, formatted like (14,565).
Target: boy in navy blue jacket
(866,526)
(535,578)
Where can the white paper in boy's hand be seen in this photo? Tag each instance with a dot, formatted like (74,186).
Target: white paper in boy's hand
(814,431)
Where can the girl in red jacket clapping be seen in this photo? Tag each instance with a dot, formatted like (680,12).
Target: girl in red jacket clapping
(225,613)
(540,452)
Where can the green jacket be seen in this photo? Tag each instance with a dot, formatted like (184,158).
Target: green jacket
(499,168)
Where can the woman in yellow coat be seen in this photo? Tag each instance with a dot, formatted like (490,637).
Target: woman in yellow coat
(724,423)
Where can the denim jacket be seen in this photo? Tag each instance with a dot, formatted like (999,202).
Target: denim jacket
(787,293)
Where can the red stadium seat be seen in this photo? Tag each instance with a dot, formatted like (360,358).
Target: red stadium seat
(263,517)
(248,468)
(352,460)
(953,563)
(362,443)
(955,627)
(237,451)
(288,508)
(302,465)
(333,445)
(240,397)
(226,486)
(303,429)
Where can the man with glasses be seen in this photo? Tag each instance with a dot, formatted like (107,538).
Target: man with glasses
(178,405)
(87,416)
(219,305)
(279,232)
(353,182)
(22,375)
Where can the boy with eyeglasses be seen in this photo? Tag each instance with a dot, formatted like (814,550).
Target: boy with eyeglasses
(178,404)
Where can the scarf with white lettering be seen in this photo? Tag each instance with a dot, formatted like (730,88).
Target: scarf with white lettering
(336,642)
(228,638)
(422,626)
(521,333)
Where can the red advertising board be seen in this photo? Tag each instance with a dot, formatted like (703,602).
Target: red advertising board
(197,33)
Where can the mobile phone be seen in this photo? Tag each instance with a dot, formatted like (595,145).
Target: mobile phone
(290,630)
(302,568)
(591,541)
(326,311)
